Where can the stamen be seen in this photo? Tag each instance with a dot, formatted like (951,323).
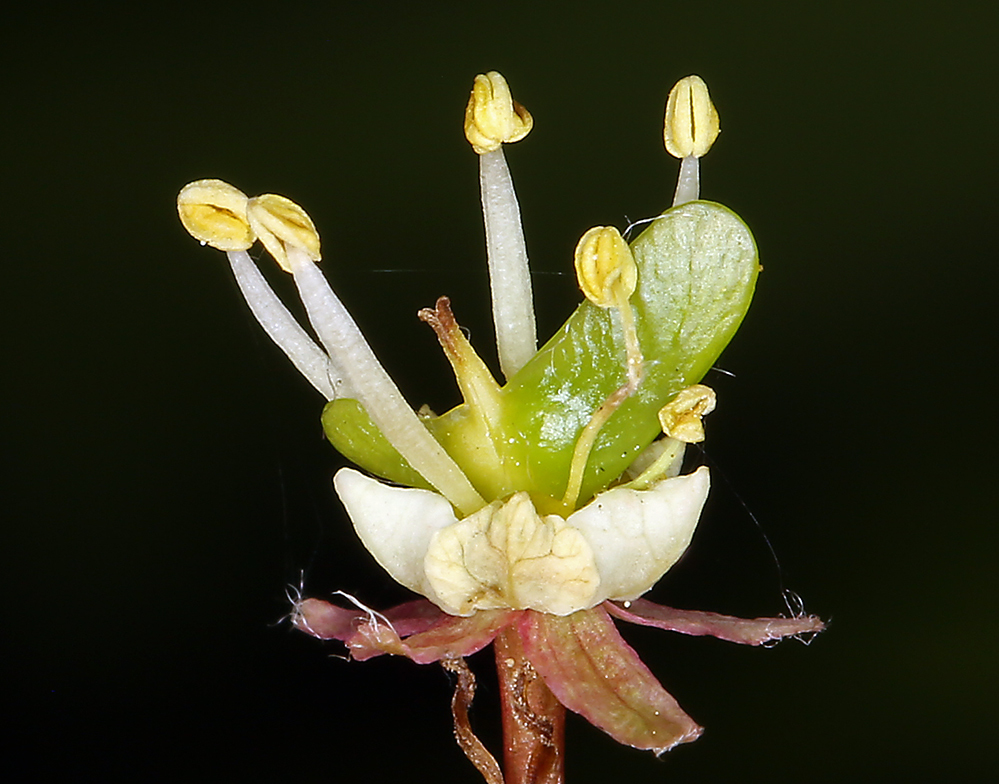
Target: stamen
(690,129)
(215,212)
(221,215)
(493,118)
(374,389)
(681,422)
(608,275)
(277,321)
(509,273)
(659,468)
(688,183)
(681,417)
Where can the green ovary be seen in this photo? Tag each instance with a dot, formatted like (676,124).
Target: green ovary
(697,268)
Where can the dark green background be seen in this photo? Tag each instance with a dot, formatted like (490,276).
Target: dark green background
(166,475)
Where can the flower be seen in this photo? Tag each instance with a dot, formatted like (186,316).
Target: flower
(544,507)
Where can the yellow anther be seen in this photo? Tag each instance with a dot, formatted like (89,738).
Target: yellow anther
(214,212)
(605,268)
(691,119)
(681,417)
(280,223)
(492,117)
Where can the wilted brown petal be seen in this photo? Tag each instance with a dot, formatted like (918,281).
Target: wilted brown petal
(748,631)
(594,672)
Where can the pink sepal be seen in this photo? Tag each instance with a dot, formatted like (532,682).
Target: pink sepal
(755,631)
(414,617)
(331,622)
(448,638)
(324,620)
(418,630)
(594,672)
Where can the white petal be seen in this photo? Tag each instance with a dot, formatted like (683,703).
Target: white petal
(395,524)
(636,535)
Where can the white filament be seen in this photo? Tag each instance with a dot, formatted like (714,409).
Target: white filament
(509,275)
(688,184)
(373,387)
(305,355)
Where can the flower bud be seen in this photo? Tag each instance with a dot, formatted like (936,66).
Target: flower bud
(279,222)
(492,117)
(214,212)
(605,268)
(681,417)
(691,119)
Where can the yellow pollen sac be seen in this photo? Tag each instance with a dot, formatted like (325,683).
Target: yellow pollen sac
(279,223)
(681,417)
(492,117)
(605,268)
(692,123)
(214,212)
(507,555)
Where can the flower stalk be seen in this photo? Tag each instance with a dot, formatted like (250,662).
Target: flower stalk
(533,718)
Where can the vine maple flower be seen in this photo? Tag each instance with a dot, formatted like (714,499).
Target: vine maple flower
(539,509)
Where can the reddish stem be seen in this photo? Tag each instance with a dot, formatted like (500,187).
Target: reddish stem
(533,720)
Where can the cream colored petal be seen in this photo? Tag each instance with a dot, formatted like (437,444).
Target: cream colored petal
(395,524)
(506,555)
(637,535)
